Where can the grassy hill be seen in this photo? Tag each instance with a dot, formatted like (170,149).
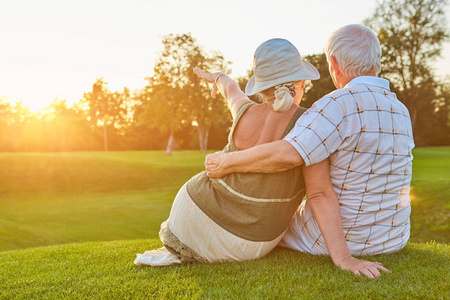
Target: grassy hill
(59,198)
(430,195)
(72,197)
(104,270)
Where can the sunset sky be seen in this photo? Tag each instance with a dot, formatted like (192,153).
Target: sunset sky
(54,48)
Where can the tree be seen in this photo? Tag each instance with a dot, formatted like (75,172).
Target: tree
(441,113)
(6,120)
(161,110)
(106,108)
(411,33)
(242,82)
(175,97)
(64,128)
(16,118)
(205,110)
(322,86)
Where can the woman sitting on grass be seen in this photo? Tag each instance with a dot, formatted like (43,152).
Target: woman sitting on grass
(244,216)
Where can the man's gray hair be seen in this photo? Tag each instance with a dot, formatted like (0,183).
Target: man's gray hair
(357,50)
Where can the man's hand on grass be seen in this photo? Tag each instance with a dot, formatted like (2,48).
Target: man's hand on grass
(359,266)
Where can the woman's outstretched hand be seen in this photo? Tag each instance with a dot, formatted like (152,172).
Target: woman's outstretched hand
(359,266)
(208,77)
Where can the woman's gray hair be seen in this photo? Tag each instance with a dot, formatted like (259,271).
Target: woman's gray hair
(357,50)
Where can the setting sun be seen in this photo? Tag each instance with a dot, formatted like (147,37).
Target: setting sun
(57,49)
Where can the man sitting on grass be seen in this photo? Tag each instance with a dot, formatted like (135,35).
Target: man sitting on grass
(366,135)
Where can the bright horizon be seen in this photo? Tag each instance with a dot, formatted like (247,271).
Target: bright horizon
(55,49)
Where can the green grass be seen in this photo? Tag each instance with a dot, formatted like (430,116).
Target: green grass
(104,270)
(430,217)
(86,198)
(50,199)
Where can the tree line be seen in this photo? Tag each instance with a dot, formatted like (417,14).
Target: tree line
(175,110)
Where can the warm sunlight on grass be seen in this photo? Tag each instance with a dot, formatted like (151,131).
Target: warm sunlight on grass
(430,194)
(71,201)
(49,198)
(411,194)
(54,198)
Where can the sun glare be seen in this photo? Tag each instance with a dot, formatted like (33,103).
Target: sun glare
(37,90)
(56,55)
(35,104)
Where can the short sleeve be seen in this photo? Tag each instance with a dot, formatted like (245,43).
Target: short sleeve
(319,131)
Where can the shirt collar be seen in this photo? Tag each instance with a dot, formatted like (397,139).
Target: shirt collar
(370,80)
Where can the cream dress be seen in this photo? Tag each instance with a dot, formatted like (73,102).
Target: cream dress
(189,234)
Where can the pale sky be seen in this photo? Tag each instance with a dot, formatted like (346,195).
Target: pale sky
(57,48)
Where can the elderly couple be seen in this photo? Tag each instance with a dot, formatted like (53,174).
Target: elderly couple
(350,153)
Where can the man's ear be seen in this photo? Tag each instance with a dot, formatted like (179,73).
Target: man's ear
(335,65)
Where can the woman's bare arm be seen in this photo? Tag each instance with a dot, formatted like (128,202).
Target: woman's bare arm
(227,87)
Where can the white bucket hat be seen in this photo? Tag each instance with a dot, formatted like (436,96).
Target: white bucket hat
(277,61)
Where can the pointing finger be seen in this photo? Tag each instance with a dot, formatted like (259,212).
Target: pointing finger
(214,92)
(197,71)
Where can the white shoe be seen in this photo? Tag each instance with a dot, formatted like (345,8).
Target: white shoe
(157,258)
